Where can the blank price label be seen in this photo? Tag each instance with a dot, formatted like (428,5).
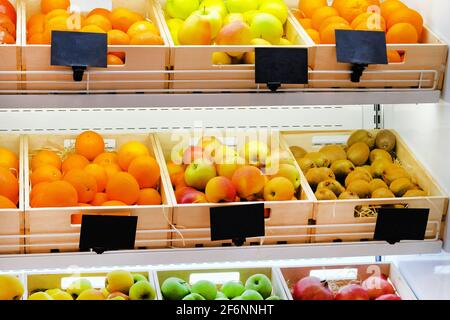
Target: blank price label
(89,5)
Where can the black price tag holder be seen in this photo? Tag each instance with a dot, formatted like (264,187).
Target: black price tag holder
(79,50)
(360,49)
(277,66)
(394,225)
(237,223)
(106,233)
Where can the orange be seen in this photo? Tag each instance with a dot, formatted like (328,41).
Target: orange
(328,34)
(56,13)
(5,203)
(45,157)
(329,20)
(177,180)
(129,151)
(113,203)
(84,204)
(123,18)
(402,33)
(7,24)
(38,188)
(9,160)
(142,26)
(306,23)
(99,173)
(83,182)
(75,22)
(174,168)
(99,199)
(104,12)
(56,194)
(370,19)
(106,158)
(123,187)
(321,14)
(76,218)
(9,185)
(36,19)
(100,21)
(297,13)
(49,5)
(308,7)
(149,197)
(394,56)
(111,169)
(314,34)
(37,38)
(35,29)
(74,161)
(58,23)
(390,6)
(45,174)
(92,28)
(146,171)
(89,144)
(118,37)
(406,15)
(120,55)
(113,60)
(350,9)
(146,38)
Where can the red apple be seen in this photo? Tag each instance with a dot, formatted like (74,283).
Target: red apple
(377,286)
(389,297)
(181,192)
(352,292)
(310,288)
(194,197)
(192,153)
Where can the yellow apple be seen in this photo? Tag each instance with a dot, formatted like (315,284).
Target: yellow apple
(40,296)
(10,287)
(221,58)
(119,281)
(91,294)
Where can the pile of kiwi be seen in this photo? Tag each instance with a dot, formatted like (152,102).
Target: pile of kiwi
(364,168)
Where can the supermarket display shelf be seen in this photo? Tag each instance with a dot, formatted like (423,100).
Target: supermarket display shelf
(215,255)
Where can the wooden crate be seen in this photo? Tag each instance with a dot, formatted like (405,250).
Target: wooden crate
(286,221)
(12,220)
(238,274)
(50,229)
(339,275)
(194,71)
(345,211)
(423,66)
(44,280)
(10,58)
(144,67)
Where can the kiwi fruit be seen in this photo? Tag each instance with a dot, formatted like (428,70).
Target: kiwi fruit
(400,186)
(357,175)
(317,175)
(358,153)
(298,152)
(415,193)
(394,172)
(331,184)
(334,152)
(382,193)
(377,184)
(319,159)
(385,140)
(362,136)
(348,195)
(379,153)
(378,166)
(360,187)
(305,164)
(341,168)
(325,194)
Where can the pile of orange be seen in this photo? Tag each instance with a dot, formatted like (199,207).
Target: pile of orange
(401,24)
(9,183)
(91,176)
(8,22)
(123,26)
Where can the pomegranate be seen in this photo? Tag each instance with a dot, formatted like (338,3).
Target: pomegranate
(310,288)
(352,292)
(389,297)
(377,286)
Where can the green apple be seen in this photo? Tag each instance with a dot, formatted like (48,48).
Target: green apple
(10,287)
(40,296)
(118,298)
(78,286)
(142,290)
(241,5)
(91,294)
(198,173)
(205,288)
(251,295)
(174,27)
(290,172)
(278,9)
(273,298)
(214,18)
(139,277)
(260,42)
(193,296)
(175,289)
(217,5)
(248,16)
(221,295)
(285,42)
(232,289)
(196,30)
(119,281)
(260,283)
(238,298)
(268,27)
(233,17)
(181,9)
